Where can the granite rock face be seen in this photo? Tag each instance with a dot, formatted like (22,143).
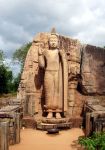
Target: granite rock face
(93,70)
(86,75)
(30,90)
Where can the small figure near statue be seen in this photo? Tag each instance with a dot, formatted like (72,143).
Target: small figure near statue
(54,62)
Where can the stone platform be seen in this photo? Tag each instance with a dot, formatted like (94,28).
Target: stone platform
(44,123)
(55,121)
(45,126)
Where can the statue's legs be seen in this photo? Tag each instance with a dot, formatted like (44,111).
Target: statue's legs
(57,103)
(51,83)
(56,92)
(49,90)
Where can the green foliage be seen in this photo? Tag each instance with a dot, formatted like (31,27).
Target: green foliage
(5,75)
(95,142)
(1,57)
(20,54)
(8,83)
(5,79)
(16,81)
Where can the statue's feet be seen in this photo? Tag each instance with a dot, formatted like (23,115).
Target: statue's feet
(50,115)
(58,116)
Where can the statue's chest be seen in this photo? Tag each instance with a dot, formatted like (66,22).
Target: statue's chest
(52,54)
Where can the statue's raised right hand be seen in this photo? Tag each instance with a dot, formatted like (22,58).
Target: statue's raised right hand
(40,52)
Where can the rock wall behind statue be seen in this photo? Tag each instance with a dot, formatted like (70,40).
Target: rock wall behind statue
(93,70)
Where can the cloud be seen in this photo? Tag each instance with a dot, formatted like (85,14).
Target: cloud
(21,20)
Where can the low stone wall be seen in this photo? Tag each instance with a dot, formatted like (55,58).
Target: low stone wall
(10,124)
(94,117)
(4,135)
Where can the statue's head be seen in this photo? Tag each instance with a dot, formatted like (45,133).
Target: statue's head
(53,39)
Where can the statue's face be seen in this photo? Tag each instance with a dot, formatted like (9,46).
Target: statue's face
(53,41)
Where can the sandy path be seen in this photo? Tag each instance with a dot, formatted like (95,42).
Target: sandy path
(39,140)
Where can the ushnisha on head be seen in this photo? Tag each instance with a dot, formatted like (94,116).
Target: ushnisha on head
(53,39)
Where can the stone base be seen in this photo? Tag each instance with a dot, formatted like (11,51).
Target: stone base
(45,124)
(55,121)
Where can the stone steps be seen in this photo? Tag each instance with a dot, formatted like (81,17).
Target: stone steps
(46,126)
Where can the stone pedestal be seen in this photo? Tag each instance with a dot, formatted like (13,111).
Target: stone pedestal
(45,124)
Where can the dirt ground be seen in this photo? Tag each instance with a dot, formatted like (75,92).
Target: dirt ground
(40,140)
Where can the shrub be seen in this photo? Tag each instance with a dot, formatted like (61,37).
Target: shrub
(95,142)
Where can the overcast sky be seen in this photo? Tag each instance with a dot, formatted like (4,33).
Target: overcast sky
(20,20)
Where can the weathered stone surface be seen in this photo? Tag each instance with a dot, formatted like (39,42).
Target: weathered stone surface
(32,78)
(93,70)
(4,140)
(54,63)
(11,114)
(86,77)
(94,116)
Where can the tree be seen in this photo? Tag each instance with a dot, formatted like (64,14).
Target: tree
(6,77)
(1,57)
(20,54)
(16,81)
